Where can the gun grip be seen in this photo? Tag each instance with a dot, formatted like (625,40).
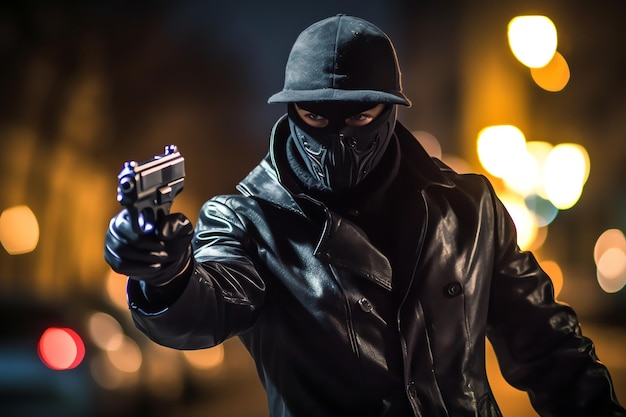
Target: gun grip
(143,219)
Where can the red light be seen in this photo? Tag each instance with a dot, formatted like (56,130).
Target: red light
(61,348)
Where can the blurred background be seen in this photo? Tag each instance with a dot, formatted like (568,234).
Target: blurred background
(88,85)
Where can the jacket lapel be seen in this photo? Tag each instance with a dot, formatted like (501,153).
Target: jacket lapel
(345,245)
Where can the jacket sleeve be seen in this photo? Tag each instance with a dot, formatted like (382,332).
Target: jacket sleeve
(539,342)
(224,292)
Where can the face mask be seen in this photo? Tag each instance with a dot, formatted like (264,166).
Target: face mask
(338,156)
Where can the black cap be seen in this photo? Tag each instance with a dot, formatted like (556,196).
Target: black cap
(342,58)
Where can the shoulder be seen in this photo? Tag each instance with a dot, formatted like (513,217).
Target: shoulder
(231,208)
(455,177)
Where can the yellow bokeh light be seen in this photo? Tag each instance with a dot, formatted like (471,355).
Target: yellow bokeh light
(540,239)
(554,76)
(458,164)
(105,375)
(540,151)
(162,371)
(205,358)
(524,220)
(19,230)
(105,331)
(499,148)
(565,173)
(127,358)
(533,40)
(523,174)
(116,289)
(554,272)
(110,377)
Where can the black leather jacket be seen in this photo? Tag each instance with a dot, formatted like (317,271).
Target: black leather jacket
(335,330)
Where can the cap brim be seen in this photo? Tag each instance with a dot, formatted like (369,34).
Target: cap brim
(333,94)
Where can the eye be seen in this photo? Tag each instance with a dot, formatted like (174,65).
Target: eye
(312,119)
(366,117)
(315,120)
(359,120)
(313,116)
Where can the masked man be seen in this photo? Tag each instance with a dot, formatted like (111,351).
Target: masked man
(362,275)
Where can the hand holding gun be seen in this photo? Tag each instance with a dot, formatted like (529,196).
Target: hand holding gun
(145,241)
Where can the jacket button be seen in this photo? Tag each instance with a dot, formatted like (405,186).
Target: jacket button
(453,289)
(365,305)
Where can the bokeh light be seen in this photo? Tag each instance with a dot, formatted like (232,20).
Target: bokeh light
(523,175)
(127,357)
(19,230)
(554,271)
(543,209)
(429,142)
(205,358)
(554,76)
(610,238)
(164,372)
(540,179)
(108,376)
(116,289)
(609,254)
(105,331)
(539,151)
(61,348)
(611,270)
(524,220)
(457,163)
(566,172)
(499,148)
(533,40)
(540,239)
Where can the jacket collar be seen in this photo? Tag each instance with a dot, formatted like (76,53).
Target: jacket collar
(272,180)
(422,169)
(269,180)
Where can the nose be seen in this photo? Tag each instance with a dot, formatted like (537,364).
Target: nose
(346,135)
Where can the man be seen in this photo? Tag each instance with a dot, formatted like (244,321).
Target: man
(362,275)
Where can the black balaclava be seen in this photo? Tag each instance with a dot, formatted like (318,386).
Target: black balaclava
(337,68)
(338,157)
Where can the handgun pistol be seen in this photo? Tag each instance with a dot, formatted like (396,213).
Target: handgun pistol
(147,189)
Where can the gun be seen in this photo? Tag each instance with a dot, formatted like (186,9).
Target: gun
(147,189)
